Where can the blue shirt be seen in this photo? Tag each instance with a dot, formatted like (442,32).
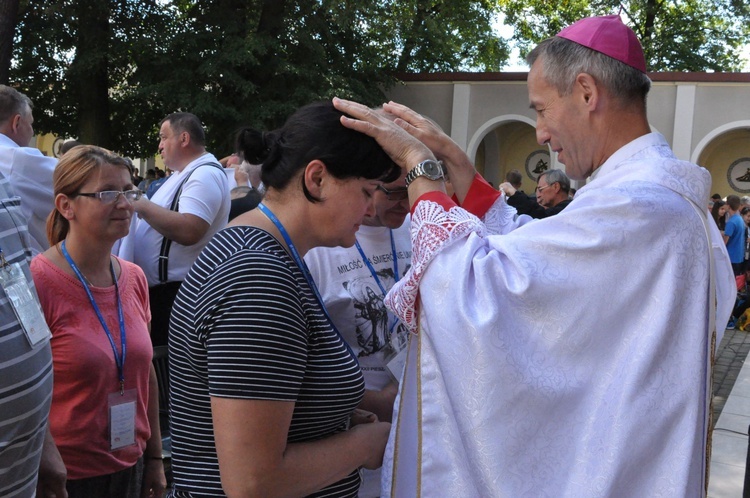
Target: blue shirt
(736,231)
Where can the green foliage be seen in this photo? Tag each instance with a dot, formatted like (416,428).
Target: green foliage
(57,61)
(677,35)
(231,62)
(438,35)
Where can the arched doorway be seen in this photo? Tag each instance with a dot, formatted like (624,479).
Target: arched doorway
(506,143)
(725,153)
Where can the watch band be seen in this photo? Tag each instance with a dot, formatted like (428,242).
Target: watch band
(432,170)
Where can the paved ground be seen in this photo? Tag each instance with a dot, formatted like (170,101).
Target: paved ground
(730,357)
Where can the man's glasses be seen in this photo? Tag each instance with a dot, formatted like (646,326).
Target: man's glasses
(397,194)
(539,189)
(111,196)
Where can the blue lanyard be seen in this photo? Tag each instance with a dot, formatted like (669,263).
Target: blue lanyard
(119,359)
(305,271)
(374,273)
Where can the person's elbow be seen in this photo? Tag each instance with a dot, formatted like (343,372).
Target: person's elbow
(192,232)
(251,485)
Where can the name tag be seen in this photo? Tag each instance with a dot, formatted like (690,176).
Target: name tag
(395,355)
(25,305)
(122,409)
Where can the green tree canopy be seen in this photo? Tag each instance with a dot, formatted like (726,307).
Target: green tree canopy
(677,35)
(107,71)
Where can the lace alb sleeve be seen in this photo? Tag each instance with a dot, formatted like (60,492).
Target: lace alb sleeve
(432,230)
(502,218)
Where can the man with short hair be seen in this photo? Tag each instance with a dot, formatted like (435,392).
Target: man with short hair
(735,234)
(552,195)
(187,210)
(515,178)
(27,169)
(161,177)
(570,356)
(353,282)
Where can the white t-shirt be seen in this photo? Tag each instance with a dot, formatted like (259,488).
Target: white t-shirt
(30,175)
(354,301)
(206,195)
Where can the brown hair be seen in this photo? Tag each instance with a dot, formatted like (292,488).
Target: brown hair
(71,173)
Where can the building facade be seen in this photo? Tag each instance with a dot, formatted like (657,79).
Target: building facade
(704,116)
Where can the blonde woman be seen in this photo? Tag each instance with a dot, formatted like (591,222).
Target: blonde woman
(104,415)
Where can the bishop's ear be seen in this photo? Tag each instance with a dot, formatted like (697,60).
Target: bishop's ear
(586,88)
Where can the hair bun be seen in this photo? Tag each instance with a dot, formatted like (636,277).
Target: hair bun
(253,144)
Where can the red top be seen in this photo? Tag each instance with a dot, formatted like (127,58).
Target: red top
(85,371)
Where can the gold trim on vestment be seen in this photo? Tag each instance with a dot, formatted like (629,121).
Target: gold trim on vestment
(396,438)
(420,335)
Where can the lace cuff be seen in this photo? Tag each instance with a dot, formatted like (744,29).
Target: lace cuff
(432,230)
(502,218)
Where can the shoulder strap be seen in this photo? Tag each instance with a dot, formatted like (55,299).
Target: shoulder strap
(166,243)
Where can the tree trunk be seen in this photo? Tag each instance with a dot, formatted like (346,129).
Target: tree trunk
(89,72)
(8,18)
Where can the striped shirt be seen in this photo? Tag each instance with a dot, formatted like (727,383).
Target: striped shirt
(25,371)
(246,325)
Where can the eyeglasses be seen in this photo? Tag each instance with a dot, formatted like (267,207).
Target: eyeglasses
(539,189)
(111,196)
(397,194)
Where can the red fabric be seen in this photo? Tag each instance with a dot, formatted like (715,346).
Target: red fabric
(481,197)
(478,201)
(84,366)
(435,196)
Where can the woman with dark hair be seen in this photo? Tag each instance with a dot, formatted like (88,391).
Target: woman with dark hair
(718,212)
(264,389)
(105,413)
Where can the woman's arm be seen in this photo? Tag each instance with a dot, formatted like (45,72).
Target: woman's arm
(255,459)
(52,472)
(380,402)
(154,480)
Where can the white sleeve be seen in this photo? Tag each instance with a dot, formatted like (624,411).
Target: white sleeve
(31,178)
(204,193)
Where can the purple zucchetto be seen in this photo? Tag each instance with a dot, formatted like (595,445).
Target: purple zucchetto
(610,36)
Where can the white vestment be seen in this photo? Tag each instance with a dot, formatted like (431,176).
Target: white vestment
(570,356)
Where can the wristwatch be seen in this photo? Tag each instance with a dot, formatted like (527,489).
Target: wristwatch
(432,170)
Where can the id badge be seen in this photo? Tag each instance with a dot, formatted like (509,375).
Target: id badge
(395,355)
(122,409)
(25,305)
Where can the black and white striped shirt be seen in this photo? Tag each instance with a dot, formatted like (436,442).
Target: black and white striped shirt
(246,325)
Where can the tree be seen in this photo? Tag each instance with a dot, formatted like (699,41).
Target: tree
(107,71)
(438,35)
(77,59)
(677,35)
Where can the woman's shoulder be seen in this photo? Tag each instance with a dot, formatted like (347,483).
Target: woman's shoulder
(131,272)
(45,264)
(247,242)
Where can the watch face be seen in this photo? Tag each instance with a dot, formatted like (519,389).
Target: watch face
(432,169)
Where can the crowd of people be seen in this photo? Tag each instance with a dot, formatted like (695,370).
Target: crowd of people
(351,329)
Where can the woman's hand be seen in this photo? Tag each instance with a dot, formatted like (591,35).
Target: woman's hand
(154,480)
(375,437)
(360,416)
